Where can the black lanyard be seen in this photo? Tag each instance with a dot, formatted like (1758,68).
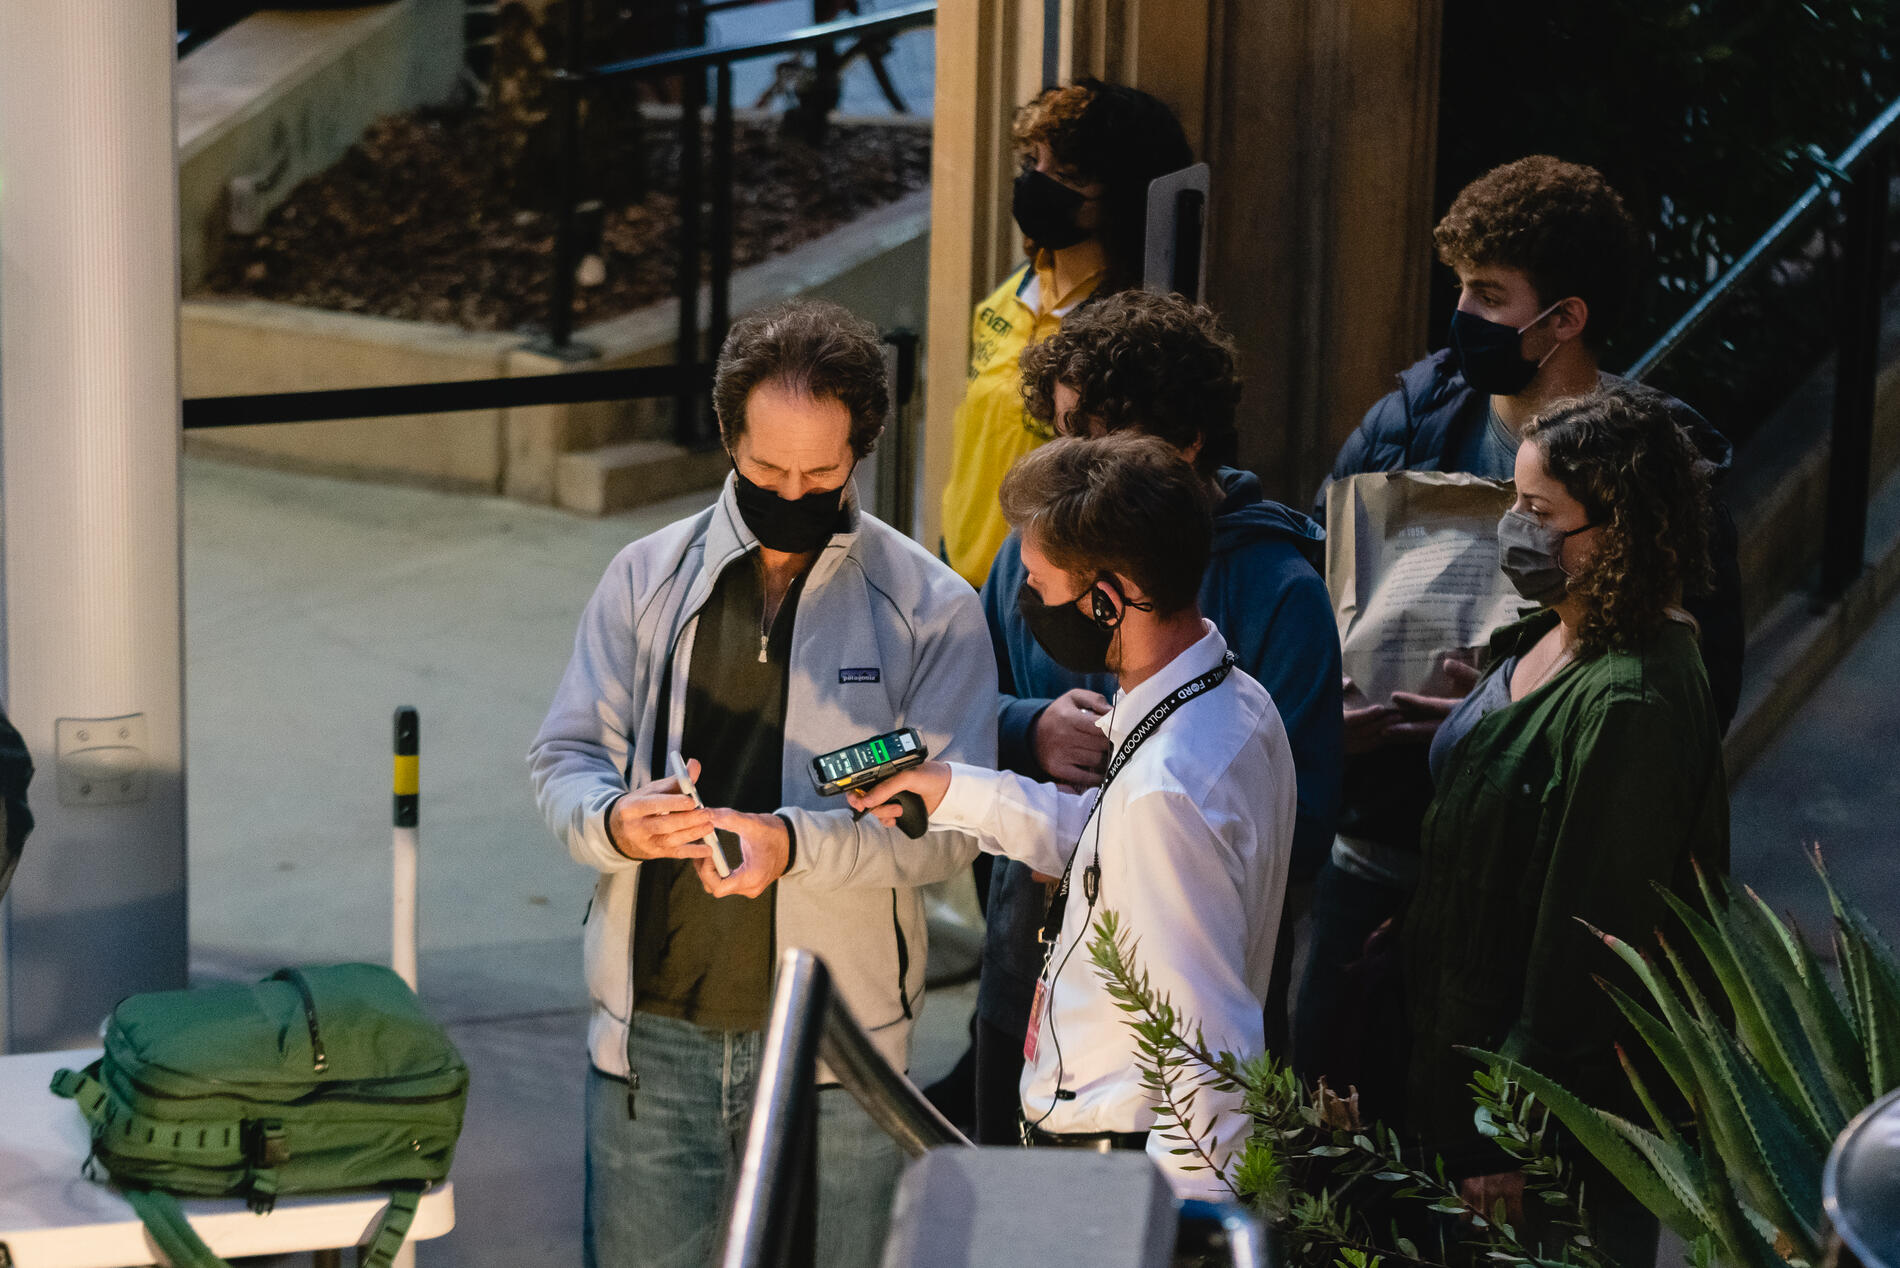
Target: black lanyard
(1092,874)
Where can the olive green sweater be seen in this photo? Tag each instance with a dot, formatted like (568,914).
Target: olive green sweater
(1566,804)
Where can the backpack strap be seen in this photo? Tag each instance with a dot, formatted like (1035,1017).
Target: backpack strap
(165,1220)
(393,1228)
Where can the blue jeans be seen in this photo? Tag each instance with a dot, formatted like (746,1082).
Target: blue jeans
(659,1183)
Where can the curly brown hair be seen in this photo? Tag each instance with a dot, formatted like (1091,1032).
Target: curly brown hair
(813,346)
(1621,453)
(1124,504)
(1560,223)
(1119,137)
(1139,361)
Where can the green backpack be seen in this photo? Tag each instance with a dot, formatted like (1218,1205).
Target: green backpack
(313,1079)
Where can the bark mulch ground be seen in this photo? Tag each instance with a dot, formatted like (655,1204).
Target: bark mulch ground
(418,221)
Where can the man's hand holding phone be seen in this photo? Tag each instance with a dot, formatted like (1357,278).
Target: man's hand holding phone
(766,844)
(659,821)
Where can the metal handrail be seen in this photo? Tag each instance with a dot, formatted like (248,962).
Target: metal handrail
(706,55)
(1768,246)
(1865,172)
(892,1101)
(769,1223)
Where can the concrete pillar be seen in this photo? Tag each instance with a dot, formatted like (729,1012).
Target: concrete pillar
(91,663)
(1322,133)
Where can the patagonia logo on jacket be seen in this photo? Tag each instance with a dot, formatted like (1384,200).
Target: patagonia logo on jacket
(860,675)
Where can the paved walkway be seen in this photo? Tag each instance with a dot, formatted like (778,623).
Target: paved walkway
(315,607)
(1832,777)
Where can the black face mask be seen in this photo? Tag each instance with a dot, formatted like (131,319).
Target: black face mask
(1077,643)
(795,526)
(1045,210)
(1491,354)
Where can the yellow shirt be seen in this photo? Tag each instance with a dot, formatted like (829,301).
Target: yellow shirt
(991,429)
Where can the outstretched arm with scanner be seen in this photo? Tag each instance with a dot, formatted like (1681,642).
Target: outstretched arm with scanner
(1023,819)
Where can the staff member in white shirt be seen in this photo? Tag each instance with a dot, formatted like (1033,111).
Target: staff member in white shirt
(1189,838)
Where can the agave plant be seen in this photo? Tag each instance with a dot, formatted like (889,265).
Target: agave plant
(1770,1090)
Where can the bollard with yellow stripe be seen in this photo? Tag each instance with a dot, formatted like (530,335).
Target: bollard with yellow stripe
(407,785)
(408,776)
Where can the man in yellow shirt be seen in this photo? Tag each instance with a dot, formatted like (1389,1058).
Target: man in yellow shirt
(1088,152)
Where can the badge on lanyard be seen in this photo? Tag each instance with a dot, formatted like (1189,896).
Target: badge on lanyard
(1035,1023)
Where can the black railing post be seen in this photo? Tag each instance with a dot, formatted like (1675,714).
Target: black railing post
(719,314)
(568,79)
(1863,255)
(692,103)
(897,475)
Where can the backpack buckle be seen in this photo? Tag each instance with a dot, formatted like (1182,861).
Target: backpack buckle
(265,1144)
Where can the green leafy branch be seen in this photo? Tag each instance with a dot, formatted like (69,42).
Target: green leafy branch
(1173,1067)
(1309,1166)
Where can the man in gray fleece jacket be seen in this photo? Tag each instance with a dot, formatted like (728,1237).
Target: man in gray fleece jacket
(779,623)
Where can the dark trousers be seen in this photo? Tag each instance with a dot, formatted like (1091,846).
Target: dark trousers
(999,1076)
(1346,909)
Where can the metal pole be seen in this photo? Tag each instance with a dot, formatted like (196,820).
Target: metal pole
(568,81)
(776,1180)
(1863,253)
(407,786)
(686,404)
(720,315)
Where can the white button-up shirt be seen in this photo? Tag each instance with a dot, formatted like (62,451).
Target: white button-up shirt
(1193,839)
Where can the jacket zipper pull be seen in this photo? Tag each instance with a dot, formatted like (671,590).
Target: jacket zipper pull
(762,642)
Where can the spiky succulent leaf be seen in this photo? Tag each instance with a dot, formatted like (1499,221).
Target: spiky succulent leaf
(1843,1059)
(1717,945)
(1783,1176)
(1609,1145)
(1660,1039)
(1768,976)
(1877,985)
(1664,1128)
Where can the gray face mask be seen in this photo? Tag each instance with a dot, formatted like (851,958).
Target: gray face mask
(1531,555)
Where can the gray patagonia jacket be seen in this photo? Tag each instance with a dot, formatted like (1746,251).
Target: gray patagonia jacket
(885,636)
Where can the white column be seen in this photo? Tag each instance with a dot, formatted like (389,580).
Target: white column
(92,672)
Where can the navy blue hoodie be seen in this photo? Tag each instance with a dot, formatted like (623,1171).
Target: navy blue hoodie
(1264,593)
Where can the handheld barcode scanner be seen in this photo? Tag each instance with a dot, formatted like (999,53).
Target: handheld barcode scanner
(863,764)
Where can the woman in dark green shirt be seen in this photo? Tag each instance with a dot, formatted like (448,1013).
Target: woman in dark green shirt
(1585,765)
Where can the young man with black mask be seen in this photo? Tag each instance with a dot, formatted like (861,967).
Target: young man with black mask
(1548,262)
(1159,365)
(1189,838)
(780,623)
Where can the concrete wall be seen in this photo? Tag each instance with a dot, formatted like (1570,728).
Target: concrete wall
(287,92)
(233,347)
(875,266)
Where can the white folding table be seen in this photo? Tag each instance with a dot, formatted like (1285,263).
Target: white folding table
(52,1216)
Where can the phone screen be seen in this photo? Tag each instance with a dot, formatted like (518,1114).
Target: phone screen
(877,751)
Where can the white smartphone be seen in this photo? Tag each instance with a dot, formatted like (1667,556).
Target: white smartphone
(676,767)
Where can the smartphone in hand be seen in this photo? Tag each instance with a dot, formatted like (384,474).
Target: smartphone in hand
(723,862)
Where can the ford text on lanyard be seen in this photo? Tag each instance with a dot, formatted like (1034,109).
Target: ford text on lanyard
(1092,874)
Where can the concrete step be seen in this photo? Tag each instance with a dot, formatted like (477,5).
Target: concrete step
(620,477)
